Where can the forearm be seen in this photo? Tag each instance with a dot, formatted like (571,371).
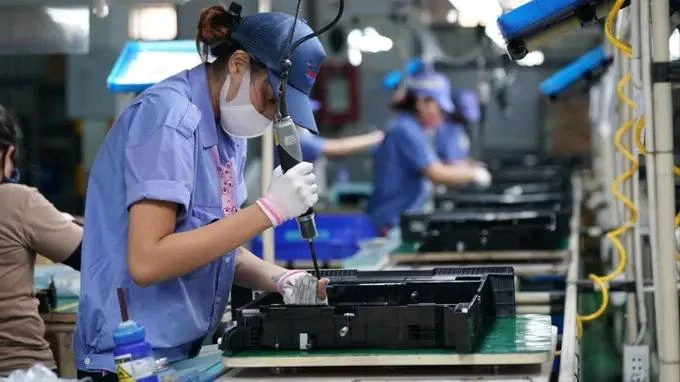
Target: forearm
(350,145)
(180,253)
(450,174)
(457,174)
(255,273)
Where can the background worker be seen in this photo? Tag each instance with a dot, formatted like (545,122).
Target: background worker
(29,225)
(163,209)
(452,138)
(406,161)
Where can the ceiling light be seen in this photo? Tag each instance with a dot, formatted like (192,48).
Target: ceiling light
(153,22)
(476,13)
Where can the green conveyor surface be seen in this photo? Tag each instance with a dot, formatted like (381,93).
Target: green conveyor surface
(65,301)
(523,334)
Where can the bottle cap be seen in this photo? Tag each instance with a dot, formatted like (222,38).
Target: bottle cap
(128,332)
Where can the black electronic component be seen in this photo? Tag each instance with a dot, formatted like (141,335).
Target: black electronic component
(438,308)
(474,230)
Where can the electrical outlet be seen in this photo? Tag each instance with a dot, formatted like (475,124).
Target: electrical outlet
(636,363)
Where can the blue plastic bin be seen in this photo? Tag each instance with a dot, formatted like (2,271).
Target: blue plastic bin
(338,237)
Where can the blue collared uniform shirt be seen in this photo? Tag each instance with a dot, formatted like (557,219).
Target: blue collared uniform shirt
(452,142)
(399,184)
(160,149)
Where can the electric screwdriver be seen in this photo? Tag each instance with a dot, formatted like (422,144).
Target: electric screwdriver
(285,130)
(290,154)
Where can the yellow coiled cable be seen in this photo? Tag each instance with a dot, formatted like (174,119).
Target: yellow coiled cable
(613,236)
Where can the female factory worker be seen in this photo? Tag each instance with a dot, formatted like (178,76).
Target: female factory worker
(452,141)
(162,211)
(29,224)
(407,160)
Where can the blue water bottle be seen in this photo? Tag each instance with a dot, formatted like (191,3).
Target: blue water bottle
(132,355)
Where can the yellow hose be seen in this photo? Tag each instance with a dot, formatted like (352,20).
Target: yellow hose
(614,235)
(624,48)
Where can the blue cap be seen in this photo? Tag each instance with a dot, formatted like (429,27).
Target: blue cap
(414,66)
(392,80)
(265,37)
(467,103)
(128,332)
(433,85)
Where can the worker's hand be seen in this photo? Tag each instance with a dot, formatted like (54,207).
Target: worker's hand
(301,288)
(481,176)
(290,194)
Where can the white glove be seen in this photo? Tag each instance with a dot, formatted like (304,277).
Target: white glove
(290,194)
(301,288)
(481,177)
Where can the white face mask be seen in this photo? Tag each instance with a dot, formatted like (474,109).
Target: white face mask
(238,117)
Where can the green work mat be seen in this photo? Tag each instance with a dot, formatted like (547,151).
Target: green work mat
(67,305)
(410,248)
(523,334)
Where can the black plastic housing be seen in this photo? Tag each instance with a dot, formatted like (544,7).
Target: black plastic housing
(458,230)
(438,308)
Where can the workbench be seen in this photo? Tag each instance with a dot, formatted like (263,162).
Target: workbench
(514,349)
(396,255)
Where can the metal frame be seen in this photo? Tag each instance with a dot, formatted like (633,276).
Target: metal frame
(571,344)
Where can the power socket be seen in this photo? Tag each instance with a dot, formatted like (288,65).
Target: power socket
(636,363)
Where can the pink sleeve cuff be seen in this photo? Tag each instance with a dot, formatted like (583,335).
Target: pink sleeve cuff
(268,208)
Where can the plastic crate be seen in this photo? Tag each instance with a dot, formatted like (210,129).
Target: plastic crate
(338,238)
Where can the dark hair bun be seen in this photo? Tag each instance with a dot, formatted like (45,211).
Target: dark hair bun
(212,29)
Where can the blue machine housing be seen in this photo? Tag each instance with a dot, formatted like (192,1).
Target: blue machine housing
(575,71)
(538,15)
(143,64)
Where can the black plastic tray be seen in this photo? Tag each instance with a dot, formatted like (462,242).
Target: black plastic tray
(527,188)
(452,200)
(485,231)
(438,308)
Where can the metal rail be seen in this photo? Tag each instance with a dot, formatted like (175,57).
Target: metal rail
(570,368)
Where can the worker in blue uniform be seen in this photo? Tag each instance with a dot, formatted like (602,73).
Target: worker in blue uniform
(451,139)
(406,163)
(163,210)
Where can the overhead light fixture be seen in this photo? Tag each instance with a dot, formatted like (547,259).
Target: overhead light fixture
(76,18)
(367,40)
(476,13)
(534,58)
(153,22)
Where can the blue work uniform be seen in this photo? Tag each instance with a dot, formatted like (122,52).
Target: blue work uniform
(399,185)
(452,142)
(165,146)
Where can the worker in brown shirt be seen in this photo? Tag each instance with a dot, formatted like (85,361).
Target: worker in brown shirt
(29,224)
